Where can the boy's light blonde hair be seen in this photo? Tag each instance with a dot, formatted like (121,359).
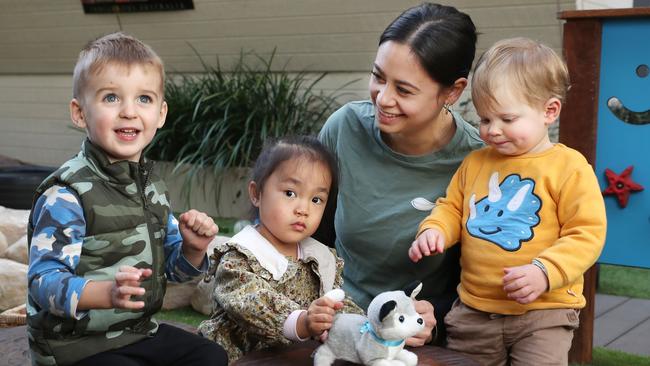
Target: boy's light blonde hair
(527,68)
(118,48)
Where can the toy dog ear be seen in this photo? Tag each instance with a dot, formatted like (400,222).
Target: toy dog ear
(413,289)
(386,309)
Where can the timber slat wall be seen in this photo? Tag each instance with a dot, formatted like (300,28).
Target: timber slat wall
(40,39)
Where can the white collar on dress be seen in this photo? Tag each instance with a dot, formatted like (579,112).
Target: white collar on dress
(265,253)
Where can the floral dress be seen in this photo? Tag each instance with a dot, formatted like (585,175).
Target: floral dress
(252,303)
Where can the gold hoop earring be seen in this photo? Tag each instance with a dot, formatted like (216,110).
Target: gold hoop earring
(447,108)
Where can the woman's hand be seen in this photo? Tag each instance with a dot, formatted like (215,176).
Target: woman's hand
(425,309)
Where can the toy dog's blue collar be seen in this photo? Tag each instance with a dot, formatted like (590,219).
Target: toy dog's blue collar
(367,327)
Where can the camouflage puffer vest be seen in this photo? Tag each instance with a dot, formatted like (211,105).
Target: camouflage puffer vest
(126,211)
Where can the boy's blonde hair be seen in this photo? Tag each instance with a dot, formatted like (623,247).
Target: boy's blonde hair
(527,68)
(117,48)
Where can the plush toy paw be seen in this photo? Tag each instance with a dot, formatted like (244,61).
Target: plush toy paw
(409,358)
(324,356)
(388,363)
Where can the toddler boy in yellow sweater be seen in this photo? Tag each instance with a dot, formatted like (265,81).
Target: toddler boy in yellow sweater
(528,214)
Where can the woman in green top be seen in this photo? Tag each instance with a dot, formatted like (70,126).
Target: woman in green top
(397,153)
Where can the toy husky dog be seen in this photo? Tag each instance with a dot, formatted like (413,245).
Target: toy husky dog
(378,339)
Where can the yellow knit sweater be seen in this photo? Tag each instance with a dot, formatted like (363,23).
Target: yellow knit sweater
(506,211)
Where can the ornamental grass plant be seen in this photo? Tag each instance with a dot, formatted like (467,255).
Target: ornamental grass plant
(220,119)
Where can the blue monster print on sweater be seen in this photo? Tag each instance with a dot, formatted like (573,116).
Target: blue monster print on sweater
(505,217)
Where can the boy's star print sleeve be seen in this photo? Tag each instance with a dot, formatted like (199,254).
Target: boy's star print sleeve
(55,248)
(177,267)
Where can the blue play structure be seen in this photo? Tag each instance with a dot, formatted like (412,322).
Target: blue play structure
(623,138)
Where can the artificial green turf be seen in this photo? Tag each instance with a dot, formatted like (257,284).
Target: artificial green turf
(226,225)
(608,357)
(185,315)
(624,281)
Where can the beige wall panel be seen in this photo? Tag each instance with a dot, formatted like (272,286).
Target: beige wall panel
(35,125)
(244,9)
(59,125)
(326,35)
(39,36)
(40,40)
(10,82)
(49,95)
(43,155)
(520,16)
(35,122)
(27,110)
(32,6)
(52,150)
(39,19)
(228,47)
(278,26)
(549,35)
(63,140)
(353,85)
(307,61)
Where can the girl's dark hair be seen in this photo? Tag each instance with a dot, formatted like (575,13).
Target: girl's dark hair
(442,38)
(276,152)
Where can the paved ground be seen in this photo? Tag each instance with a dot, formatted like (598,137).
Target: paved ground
(622,324)
(14,349)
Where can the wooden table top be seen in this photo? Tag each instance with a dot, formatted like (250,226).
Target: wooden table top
(15,351)
(299,354)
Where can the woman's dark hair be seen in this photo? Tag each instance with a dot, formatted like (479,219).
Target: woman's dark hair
(276,152)
(442,38)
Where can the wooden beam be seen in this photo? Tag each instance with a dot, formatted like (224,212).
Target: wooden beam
(578,128)
(605,13)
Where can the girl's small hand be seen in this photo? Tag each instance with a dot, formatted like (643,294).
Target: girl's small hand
(430,241)
(127,284)
(319,317)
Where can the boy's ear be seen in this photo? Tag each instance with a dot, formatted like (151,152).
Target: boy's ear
(163,114)
(77,114)
(552,109)
(253,194)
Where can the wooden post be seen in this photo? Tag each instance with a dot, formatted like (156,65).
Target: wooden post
(578,126)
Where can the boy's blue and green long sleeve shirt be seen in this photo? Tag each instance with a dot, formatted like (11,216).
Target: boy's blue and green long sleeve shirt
(59,229)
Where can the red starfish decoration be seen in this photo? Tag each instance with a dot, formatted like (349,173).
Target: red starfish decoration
(621,185)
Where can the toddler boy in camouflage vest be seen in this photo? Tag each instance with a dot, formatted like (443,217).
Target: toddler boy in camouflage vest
(102,238)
